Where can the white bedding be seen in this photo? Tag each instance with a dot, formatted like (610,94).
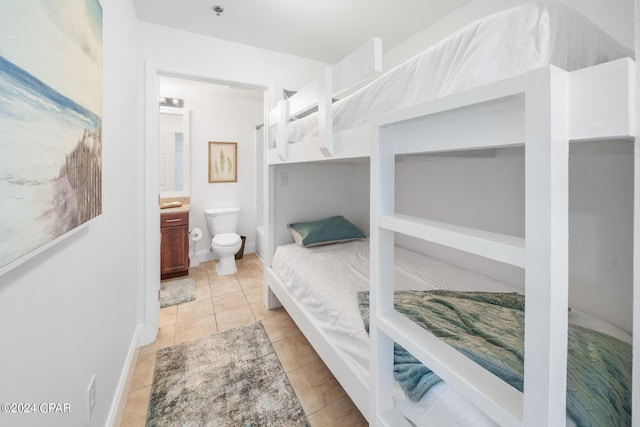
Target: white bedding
(326,279)
(497,47)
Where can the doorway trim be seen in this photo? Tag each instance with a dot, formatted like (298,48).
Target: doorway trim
(149,225)
(148,304)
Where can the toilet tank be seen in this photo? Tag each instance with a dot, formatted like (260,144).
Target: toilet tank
(223,220)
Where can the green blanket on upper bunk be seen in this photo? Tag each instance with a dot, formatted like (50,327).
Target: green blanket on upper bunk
(489,329)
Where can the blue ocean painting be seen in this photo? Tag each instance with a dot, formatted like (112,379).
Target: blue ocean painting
(50,147)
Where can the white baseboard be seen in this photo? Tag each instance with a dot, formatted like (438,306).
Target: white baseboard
(119,401)
(205,255)
(250,247)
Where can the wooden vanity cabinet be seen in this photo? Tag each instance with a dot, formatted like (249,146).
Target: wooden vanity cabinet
(174,244)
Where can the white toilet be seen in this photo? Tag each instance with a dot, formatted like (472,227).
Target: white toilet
(222,225)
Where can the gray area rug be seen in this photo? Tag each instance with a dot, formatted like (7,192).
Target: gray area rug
(177,291)
(232,378)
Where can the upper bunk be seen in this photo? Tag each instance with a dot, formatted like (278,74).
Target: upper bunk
(484,61)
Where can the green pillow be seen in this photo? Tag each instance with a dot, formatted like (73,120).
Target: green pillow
(325,231)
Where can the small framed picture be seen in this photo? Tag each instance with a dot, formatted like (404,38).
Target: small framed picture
(223,161)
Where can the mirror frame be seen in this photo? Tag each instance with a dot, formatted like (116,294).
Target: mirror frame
(186,126)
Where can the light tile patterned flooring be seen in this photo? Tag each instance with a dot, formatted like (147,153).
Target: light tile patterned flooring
(224,302)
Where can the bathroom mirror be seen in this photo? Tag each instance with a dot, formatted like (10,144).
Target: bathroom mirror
(175,155)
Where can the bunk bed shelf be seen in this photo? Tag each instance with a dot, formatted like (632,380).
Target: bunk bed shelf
(349,144)
(499,247)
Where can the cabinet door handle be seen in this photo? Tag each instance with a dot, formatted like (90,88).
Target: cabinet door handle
(173,220)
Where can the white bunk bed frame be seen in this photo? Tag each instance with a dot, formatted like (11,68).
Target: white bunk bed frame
(544,110)
(348,75)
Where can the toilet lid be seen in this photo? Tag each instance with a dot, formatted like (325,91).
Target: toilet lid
(225,239)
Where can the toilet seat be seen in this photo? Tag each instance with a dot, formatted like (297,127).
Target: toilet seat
(226,239)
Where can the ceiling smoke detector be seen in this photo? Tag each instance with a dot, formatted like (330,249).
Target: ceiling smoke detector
(218,10)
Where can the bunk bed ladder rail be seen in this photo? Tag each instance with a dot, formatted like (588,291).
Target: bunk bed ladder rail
(341,79)
(541,97)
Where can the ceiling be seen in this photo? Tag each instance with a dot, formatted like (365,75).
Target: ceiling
(324,30)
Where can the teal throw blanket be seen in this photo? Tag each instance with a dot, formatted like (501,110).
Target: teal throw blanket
(489,329)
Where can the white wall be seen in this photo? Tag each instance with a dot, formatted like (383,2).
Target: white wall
(70,312)
(199,56)
(316,191)
(477,192)
(613,16)
(488,193)
(185,54)
(220,113)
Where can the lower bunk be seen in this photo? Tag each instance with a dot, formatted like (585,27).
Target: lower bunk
(324,289)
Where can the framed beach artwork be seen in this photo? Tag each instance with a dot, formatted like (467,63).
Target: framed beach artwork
(223,162)
(50,123)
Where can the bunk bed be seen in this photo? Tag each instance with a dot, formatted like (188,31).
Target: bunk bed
(545,97)
(498,47)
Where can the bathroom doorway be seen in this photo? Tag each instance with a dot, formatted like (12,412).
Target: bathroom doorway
(217,111)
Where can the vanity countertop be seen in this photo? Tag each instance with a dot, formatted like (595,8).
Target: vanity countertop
(184,208)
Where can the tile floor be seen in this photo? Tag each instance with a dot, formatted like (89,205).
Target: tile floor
(224,302)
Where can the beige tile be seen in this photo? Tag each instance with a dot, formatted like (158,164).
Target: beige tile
(168,315)
(254,295)
(143,375)
(339,413)
(200,270)
(202,287)
(279,325)
(234,318)
(251,282)
(244,262)
(202,281)
(294,351)
(225,287)
(194,309)
(248,271)
(208,265)
(220,280)
(165,338)
(190,330)
(249,267)
(229,302)
(315,386)
(261,312)
(202,293)
(166,335)
(135,412)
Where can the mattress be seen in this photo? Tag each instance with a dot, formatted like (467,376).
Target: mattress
(325,281)
(497,47)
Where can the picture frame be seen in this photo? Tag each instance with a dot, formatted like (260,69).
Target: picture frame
(223,162)
(51,115)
